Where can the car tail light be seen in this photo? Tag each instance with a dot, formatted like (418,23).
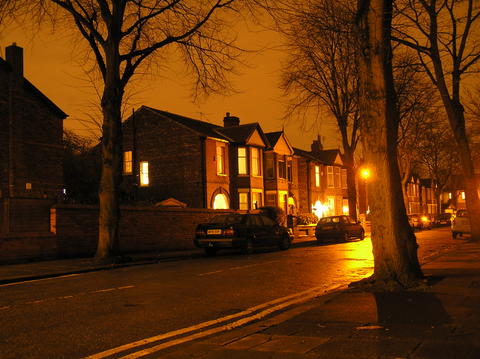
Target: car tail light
(228,231)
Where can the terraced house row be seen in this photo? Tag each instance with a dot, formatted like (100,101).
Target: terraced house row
(235,166)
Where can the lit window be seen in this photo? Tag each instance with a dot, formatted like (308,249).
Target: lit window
(463,195)
(144,179)
(450,195)
(344,178)
(127,162)
(345,208)
(289,171)
(220,201)
(256,200)
(28,186)
(242,161)
(337,177)
(330,181)
(256,162)
(221,160)
(243,201)
(282,170)
(317,176)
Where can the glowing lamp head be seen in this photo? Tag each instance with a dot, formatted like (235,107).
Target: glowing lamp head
(365,173)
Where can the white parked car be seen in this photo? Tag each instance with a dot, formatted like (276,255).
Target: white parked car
(460,223)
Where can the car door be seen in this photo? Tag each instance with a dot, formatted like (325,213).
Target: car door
(349,226)
(272,231)
(257,230)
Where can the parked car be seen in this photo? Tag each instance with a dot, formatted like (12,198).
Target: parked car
(241,231)
(460,223)
(443,219)
(339,227)
(418,221)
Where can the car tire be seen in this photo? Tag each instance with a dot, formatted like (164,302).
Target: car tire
(210,252)
(345,237)
(248,248)
(362,235)
(284,243)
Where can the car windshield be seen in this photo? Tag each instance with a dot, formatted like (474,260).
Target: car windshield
(329,220)
(227,219)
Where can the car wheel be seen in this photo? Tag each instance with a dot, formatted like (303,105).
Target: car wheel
(362,235)
(248,249)
(210,252)
(284,243)
(345,237)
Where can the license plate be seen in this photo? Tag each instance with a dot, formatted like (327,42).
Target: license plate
(214,231)
(326,228)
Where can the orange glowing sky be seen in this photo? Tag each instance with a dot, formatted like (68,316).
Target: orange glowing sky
(50,64)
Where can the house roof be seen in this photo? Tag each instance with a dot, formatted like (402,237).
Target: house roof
(201,127)
(273,137)
(306,154)
(327,157)
(241,134)
(28,86)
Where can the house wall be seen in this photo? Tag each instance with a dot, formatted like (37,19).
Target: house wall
(37,132)
(174,154)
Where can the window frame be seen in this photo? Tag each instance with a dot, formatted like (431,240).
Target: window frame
(242,160)
(144,174)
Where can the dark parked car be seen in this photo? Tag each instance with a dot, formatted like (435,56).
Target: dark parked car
(443,219)
(241,231)
(339,227)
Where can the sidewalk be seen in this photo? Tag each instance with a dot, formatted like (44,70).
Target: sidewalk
(442,322)
(12,273)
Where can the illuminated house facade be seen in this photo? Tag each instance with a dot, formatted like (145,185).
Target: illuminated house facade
(281,174)
(235,166)
(322,181)
(31,149)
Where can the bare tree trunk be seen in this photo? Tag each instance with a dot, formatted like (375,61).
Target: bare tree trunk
(109,207)
(351,184)
(394,244)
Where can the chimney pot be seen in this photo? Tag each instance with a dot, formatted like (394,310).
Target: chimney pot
(14,56)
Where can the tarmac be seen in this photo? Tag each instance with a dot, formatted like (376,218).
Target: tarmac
(439,321)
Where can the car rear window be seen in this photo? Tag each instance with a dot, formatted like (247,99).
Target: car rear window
(227,219)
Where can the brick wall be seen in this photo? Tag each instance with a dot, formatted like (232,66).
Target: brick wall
(142,229)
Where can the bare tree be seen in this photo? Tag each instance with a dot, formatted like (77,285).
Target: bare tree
(123,35)
(443,34)
(394,244)
(437,156)
(321,71)
(416,106)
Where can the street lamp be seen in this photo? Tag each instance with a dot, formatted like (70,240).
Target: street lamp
(365,173)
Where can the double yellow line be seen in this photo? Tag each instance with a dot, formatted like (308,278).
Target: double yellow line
(229,322)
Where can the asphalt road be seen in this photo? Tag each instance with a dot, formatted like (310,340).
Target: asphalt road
(80,315)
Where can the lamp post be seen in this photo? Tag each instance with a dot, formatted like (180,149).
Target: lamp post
(365,174)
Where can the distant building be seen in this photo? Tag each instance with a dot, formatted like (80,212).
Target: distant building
(31,130)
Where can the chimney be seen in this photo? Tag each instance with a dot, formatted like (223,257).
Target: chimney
(317,145)
(230,121)
(14,56)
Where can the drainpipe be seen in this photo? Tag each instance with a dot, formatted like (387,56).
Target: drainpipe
(309,201)
(203,169)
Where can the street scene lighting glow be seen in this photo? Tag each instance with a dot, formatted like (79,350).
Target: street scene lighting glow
(365,173)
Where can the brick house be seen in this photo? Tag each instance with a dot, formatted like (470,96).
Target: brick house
(322,181)
(168,155)
(281,174)
(413,200)
(31,149)
(427,194)
(247,146)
